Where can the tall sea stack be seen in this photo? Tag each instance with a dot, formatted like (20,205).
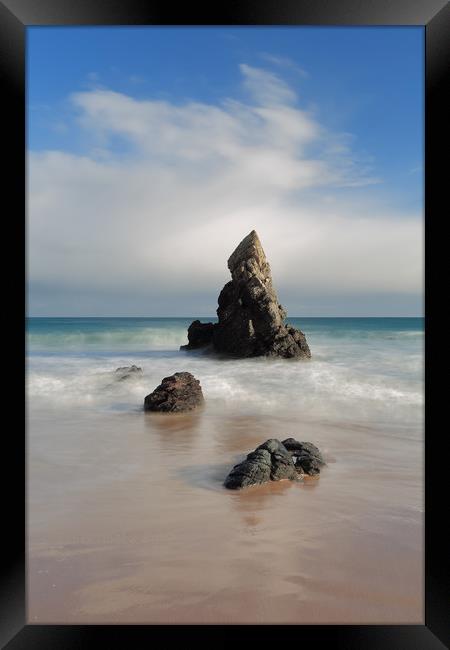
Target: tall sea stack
(251,321)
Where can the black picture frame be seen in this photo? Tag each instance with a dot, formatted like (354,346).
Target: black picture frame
(15,16)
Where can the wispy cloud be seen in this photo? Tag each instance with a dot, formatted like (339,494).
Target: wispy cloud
(162,215)
(266,87)
(283,62)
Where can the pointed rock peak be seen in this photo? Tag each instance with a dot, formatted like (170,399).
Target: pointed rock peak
(249,247)
(251,320)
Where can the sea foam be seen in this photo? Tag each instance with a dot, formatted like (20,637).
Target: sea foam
(362,370)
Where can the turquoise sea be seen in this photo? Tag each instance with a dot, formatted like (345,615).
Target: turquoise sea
(365,369)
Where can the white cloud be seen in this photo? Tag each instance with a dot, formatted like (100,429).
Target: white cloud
(283,62)
(162,216)
(266,87)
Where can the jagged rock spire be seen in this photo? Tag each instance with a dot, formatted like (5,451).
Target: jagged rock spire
(251,321)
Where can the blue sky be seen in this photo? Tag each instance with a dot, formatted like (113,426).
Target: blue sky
(349,99)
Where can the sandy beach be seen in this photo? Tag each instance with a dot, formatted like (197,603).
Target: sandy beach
(128,522)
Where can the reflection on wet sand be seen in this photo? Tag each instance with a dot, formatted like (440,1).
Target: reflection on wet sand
(157,538)
(172,422)
(250,502)
(233,430)
(208,476)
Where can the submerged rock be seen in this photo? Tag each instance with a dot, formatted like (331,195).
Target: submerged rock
(177,393)
(128,371)
(274,461)
(251,321)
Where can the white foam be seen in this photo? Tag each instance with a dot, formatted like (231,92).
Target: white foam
(366,376)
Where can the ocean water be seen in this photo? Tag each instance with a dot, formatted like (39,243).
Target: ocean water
(128,520)
(368,370)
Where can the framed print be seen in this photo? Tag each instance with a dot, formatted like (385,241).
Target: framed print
(227,220)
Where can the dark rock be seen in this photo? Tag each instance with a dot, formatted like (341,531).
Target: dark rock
(307,457)
(128,371)
(269,461)
(177,393)
(253,470)
(200,335)
(251,320)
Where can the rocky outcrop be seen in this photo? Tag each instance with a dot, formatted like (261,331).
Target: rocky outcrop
(269,462)
(307,457)
(251,320)
(200,335)
(177,393)
(128,371)
(275,461)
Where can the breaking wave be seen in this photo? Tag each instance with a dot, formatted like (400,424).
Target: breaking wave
(356,373)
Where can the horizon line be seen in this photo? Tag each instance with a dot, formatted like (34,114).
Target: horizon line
(204,317)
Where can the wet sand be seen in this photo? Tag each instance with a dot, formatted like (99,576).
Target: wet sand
(128,522)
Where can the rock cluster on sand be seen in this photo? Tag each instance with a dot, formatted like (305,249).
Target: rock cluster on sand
(127,371)
(251,321)
(274,461)
(307,456)
(177,393)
